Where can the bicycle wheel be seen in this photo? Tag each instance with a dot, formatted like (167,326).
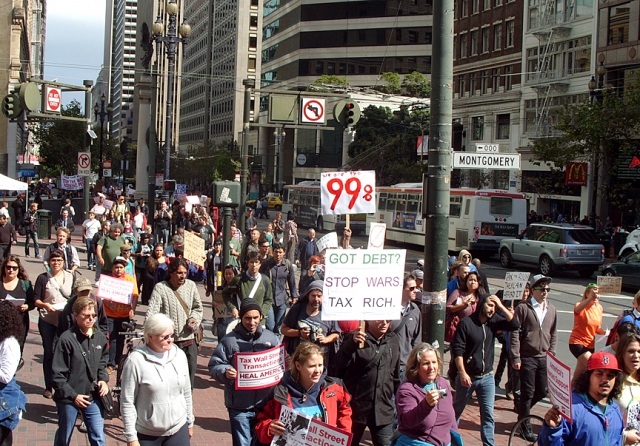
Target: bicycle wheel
(516,438)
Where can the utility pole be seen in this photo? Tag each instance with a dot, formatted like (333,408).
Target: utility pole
(249,85)
(87,115)
(153,142)
(436,184)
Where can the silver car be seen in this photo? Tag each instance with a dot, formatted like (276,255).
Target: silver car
(554,247)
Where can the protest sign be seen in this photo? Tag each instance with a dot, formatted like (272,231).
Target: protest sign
(559,385)
(304,429)
(610,285)
(327,241)
(514,285)
(348,192)
(193,199)
(260,370)
(321,434)
(377,234)
(73,182)
(115,290)
(108,204)
(193,248)
(220,309)
(363,283)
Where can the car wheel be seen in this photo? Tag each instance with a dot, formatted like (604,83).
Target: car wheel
(320,224)
(505,258)
(609,273)
(278,207)
(546,265)
(586,273)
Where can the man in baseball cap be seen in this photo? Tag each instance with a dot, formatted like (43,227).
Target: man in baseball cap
(539,279)
(596,417)
(82,288)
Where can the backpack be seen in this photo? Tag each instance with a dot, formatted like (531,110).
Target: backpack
(614,329)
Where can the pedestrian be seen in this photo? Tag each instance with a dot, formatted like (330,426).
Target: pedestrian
(120,209)
(278,228)
(250,245)
(8,237)
(306,248)
(65,221)
(628,357)
(251,223)
(71,258)
(16,284)
(283,280)
(79,376)
(90,227)
(105,228)
(249,284)
(109,248)
(18,209)
(587,321)
(30,224)
(409,327)
(162,219)
(82,288)
(291,238)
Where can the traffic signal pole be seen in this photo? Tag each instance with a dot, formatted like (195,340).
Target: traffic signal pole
(87,113)
(436,183)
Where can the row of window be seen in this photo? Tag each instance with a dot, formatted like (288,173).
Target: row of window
(502,127)
(486,81)
(369,65)
(486,39)
(462,6)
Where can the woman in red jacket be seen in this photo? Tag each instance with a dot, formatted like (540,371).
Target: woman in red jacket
(307,389)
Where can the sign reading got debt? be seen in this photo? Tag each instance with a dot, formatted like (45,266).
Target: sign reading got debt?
(363,284)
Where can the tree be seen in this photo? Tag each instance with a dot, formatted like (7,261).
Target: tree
(392,83)
(207,162)
(327,83)
(416,85)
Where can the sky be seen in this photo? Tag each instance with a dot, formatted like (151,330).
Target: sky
(74,45)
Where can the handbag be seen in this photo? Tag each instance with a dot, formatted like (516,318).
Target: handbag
(198,334)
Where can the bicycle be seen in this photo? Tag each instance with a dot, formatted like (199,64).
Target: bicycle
(517,439)
(133,339)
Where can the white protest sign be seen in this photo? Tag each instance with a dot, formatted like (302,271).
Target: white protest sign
(327,241)
(514,285)
(296,426)
(73,182)
(364,284)
(320,433)
(108,204)
(348,192)
(193,248)
(377,234)
(193,199)
(559,381)
(609,285)
(260,370)
(115,290)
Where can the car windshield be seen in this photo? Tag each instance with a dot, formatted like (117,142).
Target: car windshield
(582,237)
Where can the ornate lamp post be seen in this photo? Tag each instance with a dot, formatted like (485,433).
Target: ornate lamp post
(174,35)
(101,114)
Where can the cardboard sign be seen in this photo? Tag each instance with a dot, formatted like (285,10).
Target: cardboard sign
(377,234)
(348,192)
(514,285)
(304,430)
(220,310)
(365,284)
(260,370)
(115,290)
(559,382)
(327,241)
(193,248)
(610,285)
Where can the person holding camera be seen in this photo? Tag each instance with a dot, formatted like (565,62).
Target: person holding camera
(473,351)
(314,271)
(423,402)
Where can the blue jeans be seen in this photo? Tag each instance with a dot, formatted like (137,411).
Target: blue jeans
(116,341)
(36,247)
(91,257)
(93,419)
(47,333)
(275,317)
(485,389)
(241,426)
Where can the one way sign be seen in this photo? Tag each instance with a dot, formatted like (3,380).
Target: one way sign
(84,163)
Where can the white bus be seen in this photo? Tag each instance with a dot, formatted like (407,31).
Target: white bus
(478,219)
(303,201)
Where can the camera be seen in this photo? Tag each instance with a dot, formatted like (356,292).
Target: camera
(314,332)
(442,393)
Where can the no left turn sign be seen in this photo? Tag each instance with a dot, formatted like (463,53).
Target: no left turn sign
(313,111)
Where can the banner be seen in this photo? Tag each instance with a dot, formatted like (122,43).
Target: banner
(559,385)
(260,370)
(609,285)
(193,248)
(73,182)
(514,285)
(327,241)
(364,284)
(115,290)
(348,192)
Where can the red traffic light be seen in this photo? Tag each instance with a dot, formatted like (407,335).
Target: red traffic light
(350,105)
(170,185)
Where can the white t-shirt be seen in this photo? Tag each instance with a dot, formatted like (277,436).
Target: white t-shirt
(9,359)
(91,227)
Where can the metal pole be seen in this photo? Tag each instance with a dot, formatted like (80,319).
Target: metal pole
(249,84)
(153,141)
(171,45)
(281,135)
(87,114)
(101,114)
(436,186)
(226,234)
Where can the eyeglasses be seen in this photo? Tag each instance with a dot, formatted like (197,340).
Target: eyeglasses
(167,337)
(127,250)
(411,288)
(89,316)
(11,267)
(544,290)
(466,257)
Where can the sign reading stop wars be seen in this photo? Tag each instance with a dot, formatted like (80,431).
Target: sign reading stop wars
(348,192)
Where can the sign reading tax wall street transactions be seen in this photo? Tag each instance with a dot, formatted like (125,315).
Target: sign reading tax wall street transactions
(470,160)
(260,370)
(364,284)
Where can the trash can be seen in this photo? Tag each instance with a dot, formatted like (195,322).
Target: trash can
(44,224)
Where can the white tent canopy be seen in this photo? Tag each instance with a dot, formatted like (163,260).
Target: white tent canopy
(7,183)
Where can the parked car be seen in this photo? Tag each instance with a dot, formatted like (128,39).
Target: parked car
(554,247)
(628,268)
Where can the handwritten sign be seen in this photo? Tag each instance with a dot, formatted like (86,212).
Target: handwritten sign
(302,429)
(610,285)
(363,282)
(327,241)
(559,381)
(220,309)
(514,285)
(115,290)
(260,370)
(109,204)
(377,234)
(193,248)
(348,192)
(73,182)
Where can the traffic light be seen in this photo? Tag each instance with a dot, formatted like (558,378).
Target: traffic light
(25,96)
(347,112)
(169,185)
(11,107)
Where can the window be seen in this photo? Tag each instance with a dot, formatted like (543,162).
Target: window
(619,24)
(331,68)
(252,62)
(455,206)
(498,3)
(475,6)
(484,82)
(462,86)
(508,82)
(463,46)
(472,84)
(474,43)
(485,39)
(413,37)
(253,42)
(503,123)
(319,67)
(477,128)
(398,35)
(253,20)
(495,80)
(501,206)
(464,9)
(497,36)
(486,5)
(510,37)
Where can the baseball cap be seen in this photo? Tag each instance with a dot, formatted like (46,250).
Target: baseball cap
(125,247)
(602,360)
(418,274)
(83,284)
(145,236)
(539,278)
(120,260)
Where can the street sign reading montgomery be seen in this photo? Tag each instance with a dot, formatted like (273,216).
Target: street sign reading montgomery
(470,160)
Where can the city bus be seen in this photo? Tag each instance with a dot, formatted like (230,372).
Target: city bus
(478,219)
(303,201)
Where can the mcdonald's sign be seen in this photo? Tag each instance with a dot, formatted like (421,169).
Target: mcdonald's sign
(575,174)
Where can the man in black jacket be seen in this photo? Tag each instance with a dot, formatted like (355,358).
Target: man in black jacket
(307,248)
(282,276)
(372,376)
(8,237)
(473,351)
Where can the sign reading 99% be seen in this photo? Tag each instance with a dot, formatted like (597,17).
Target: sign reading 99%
(348,192)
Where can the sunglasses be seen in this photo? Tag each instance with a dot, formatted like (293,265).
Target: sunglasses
(544,290)
(89,316)
(127,250)
(466,257)
(411,288)
(11,268)
(167,337)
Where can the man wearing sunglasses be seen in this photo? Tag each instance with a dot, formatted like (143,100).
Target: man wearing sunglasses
(529,346)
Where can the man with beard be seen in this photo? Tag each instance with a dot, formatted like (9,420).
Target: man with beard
(596,417)
(473,351)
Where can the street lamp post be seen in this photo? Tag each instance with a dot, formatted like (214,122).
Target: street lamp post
(279,135)
(597,87)
(101,114)
(170,40)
